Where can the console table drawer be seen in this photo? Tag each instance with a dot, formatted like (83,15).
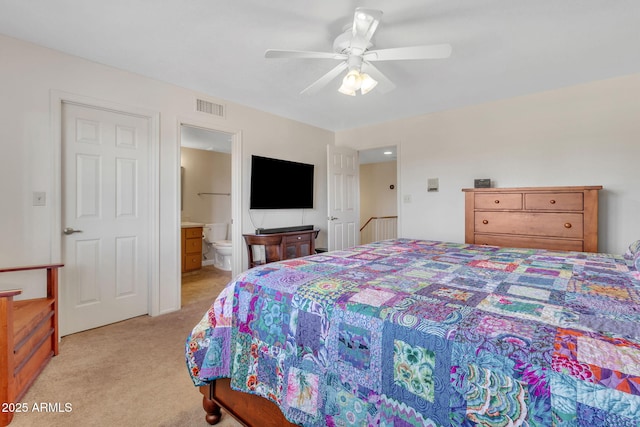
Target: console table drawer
(567,225)
(554,201)
(498,201)
(306,237)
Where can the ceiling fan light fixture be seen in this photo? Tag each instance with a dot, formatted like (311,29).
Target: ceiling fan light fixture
(346,91)
(352,80)
(351,83)
(367,83)
(354,48)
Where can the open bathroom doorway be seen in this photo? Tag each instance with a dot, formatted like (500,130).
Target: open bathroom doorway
(206,208)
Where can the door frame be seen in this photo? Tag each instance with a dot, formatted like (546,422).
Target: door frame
(399,203)
(236,187)
(57,98)
(398,188)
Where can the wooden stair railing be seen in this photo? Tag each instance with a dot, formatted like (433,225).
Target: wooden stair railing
(379,228)
(28,338)
(376,217)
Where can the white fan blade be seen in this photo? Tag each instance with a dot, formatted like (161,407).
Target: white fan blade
(302,54)
(434,51)
(365,22)
(325,80)
(384,84)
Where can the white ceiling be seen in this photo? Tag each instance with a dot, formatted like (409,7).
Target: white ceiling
(501,48)
(205,139)
(377,155)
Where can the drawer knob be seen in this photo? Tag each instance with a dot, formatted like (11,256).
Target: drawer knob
(496,201)
(299,237)
(484,221)
(567,225)
(553,202)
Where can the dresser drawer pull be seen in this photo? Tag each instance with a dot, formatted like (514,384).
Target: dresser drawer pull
(567,225)
(484,221)
(299,237)
(496,201)
(553,202)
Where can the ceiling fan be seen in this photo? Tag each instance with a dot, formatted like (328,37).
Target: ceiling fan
(352,48)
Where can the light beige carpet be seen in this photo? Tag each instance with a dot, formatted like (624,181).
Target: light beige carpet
(130,373)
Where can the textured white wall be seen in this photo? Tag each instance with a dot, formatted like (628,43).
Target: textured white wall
(581,135)
(376,198)
(28,76)
(206,172)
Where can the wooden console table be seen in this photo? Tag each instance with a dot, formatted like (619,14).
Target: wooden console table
(280,246)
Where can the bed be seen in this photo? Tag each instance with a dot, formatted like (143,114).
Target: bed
(422,333)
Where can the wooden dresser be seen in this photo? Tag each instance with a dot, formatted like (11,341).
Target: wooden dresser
(555,218)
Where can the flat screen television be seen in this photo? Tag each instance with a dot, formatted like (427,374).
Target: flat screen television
(280,184)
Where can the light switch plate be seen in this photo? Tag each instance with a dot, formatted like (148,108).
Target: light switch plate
(433,184)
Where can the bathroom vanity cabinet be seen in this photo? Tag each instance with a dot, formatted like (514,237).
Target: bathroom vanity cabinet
(191,238)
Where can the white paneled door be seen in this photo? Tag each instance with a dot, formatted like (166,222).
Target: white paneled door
(344,200)
(106,217)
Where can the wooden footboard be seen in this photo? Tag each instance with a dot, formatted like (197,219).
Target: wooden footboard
(249,409)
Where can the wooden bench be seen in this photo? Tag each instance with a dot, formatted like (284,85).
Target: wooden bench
(28,338)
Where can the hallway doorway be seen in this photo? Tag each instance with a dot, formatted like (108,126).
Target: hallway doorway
(378,194)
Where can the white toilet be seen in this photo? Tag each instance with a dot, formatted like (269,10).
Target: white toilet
(216,238)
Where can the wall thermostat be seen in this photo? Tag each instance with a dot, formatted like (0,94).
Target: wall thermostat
(482,183)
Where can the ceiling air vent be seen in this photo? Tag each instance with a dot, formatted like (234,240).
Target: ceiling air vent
(209,107)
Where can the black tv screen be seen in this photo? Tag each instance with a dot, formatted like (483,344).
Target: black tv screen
(280,184)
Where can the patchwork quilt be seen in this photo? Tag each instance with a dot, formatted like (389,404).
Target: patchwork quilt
(423,333)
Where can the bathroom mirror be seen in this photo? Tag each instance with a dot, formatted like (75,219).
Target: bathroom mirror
(181,188)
